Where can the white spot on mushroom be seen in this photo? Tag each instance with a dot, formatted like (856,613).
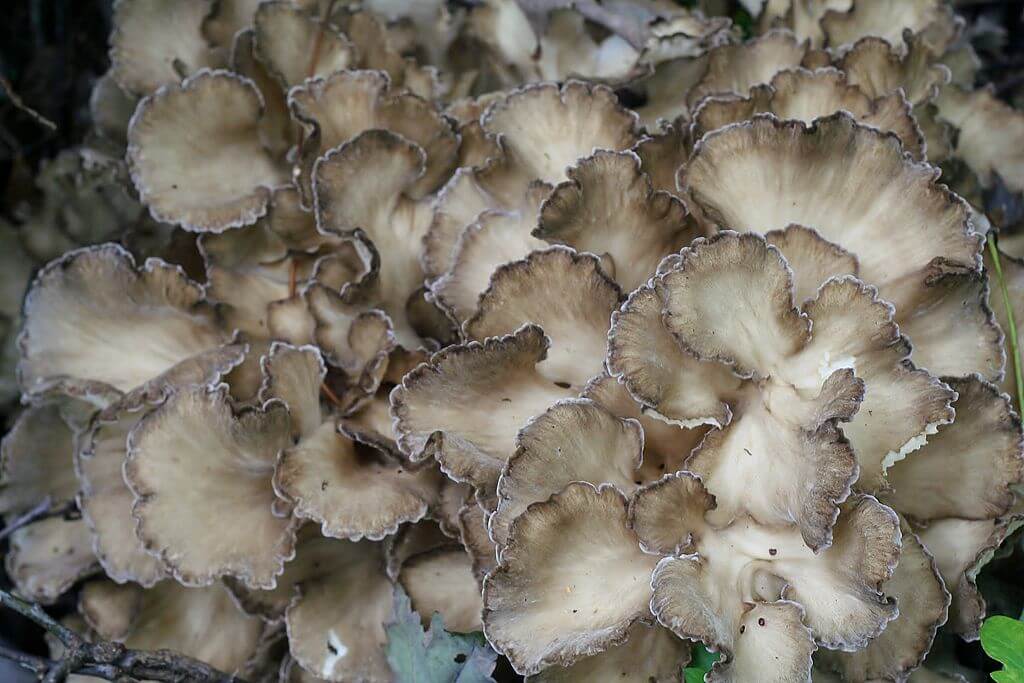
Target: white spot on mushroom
(893,457)
(829,365)
(336,651)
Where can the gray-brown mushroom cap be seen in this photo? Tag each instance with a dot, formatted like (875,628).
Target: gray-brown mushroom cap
(907,232)
(100,328)
(546,603)
(685,347)
(216,114)
(448,408)
(197,430)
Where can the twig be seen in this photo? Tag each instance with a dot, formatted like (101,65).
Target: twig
(104,659)
(41,511)
(1010,322)
(8,90)
(333,397)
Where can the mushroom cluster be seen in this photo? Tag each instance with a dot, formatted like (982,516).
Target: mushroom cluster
(597,327)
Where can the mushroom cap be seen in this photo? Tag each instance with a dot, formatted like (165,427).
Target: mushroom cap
(366,184)
(106,502)
(36,461)
(449,409)
(807,95)
(237,451)
(907,232)
(441,581)
(218,112)
(158,42)
(702,592)
(334,109)
(608,207)
(922,601)
(880,67)
(574,440)
(47,557)
(968,469)
(203,623)
(285,38)
(575,320)
(98,327)
(544,604)
(778,394)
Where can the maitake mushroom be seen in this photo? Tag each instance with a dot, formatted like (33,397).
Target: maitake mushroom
(586,325)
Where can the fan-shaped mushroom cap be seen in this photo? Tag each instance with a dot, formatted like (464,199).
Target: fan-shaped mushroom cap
(466,405)
(907,232)
(294,46)
(922,601)
(561,48)
(276,128)
(608,207)
(197,429)
(969,468)
(158,42)
(988,137)
(441,580)
(99,328)
(335,599)
(890,20)
(681,602)
(547,603)
(493,239)
(356,342)
(106,502)
(247,270)
(378,49)
(335,109)
(48,557)
(228,19)
(961,548)
(735,69)
(777,402)
(365,184)
(353,490)
(574,440)
(36,461)
(880,68)
(203,623)
(566,294)
(542,130)
(218,113)
(702,594)
(666,446)
(806,95)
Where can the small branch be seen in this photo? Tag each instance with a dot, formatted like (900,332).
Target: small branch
(331,396)
(41,511)
(8,90)
(104,659)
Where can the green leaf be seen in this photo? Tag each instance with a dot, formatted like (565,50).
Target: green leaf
(701,661)
(434,656)
(694,675)
(1002,638)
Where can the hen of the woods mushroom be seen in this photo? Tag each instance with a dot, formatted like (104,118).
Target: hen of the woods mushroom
(595,327)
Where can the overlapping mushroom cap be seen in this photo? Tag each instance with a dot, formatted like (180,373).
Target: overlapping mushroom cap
(907,235)
(717,338)
(597,390)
